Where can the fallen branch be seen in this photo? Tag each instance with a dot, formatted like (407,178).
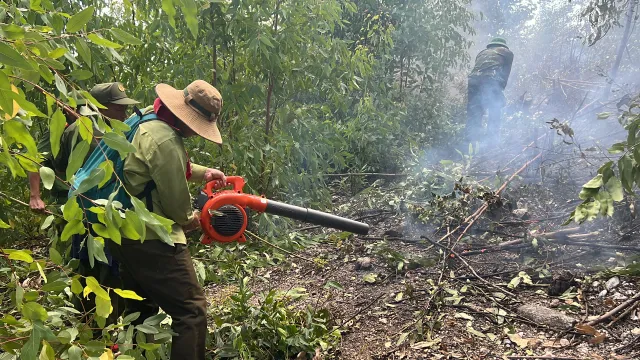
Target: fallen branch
(622,316)
(472,219)
(389,238)
(616,310)
(365,174)
(604,246)
(473,271)
(545,357)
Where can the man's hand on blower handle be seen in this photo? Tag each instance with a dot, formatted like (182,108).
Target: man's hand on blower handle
(209,175)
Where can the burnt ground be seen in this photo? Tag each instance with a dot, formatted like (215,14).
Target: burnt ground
(434,306)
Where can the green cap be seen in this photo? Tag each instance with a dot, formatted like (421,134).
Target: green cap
(111,93)
(498,42)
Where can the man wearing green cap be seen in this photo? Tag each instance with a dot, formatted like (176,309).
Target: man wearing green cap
(485,91)
(114,98)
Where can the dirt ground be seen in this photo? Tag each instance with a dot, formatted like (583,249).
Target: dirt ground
(441,305)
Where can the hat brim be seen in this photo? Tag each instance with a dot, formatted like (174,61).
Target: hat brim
(200,124)
(497,44)
(125,101)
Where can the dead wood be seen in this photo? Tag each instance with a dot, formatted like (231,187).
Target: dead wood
(616,310)
(545,357)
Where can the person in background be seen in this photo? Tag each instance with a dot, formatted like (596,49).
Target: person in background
(115,99)
(486,84)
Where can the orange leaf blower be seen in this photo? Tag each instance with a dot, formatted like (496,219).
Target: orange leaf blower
(223,217)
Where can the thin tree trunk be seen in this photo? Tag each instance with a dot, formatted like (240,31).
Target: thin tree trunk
(623,45)
(268,117)
(214,54)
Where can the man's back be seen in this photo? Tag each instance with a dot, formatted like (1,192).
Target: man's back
(494,63)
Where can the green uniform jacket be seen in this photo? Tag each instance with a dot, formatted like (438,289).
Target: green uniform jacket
(160,156)
(494,63)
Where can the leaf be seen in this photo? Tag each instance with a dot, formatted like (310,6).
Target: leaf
(59,52)
(72,228)
(160,228)
(147,329)
(594,183)
(603,115)
(99,40)
(333,284)
(107,355)
(96,177)
(586,329)
(399,296)
(190,11)
(522,343)
(128,294)
(475,332)
(95,247)
(402,338)
(75,353)
(76,159)
(79,20)
(9,56)
(514,282)
(169,9)
(617,148)
(34,311)
(21,255)
(119,143)
(598,339)
(48,177)
(72,210)
(93,284)
(614,186)
(103,307)
(85,128)
(56,128)
(462,315)
(84,51)
(55,256)
(76,287)
(370,278)
(107,167)
(125,37)
(60,85)
(17,130)
(81,74)
(54,286)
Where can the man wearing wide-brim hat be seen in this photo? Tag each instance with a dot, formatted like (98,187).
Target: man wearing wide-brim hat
(163,274)
(486,84)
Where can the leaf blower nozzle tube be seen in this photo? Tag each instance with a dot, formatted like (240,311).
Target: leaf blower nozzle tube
(316,217)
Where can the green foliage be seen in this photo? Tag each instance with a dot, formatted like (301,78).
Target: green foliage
(614,178)
(310,88)
(275,327)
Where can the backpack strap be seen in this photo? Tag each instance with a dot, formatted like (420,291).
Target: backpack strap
(151,185)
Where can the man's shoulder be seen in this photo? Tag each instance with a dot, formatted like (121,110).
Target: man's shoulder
(159,131)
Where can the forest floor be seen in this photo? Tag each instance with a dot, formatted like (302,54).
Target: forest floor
(552,292)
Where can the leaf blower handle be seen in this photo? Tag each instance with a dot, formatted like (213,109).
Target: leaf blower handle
(236,181)
(316,217)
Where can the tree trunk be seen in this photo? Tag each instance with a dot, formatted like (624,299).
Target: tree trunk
(268,118)
(214,54)
(613,74)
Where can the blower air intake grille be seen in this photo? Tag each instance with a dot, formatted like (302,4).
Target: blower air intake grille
(229,222)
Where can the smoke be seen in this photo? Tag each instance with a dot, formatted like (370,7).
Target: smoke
(553,96)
